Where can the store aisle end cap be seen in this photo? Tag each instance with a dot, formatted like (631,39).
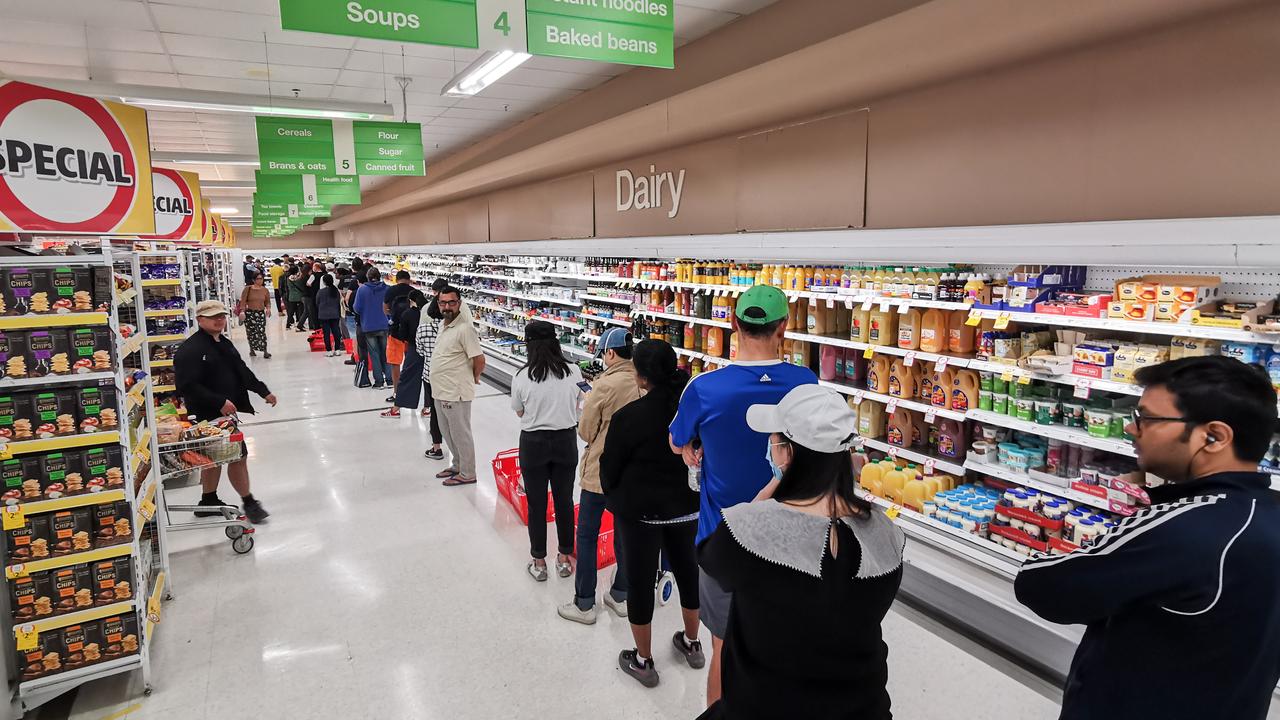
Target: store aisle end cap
(810,415)
(210,308)
(760,305)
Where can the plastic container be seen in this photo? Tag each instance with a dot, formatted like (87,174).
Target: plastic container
(1000,403)
(1098,422)
(871,419)
(878,374)
(883,328)
(943,382)
(1046,412)
(933,331)
(872,473)
(984,400)
(1025,408)
(899,428)
(1073,414)
(859,324)
(951,443)
(964,391)
(830,363)
(959,335)
(909,325)
(894,482)
(901,384)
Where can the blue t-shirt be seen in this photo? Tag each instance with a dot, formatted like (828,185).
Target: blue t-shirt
(714,408)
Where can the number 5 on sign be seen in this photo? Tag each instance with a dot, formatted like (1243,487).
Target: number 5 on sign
(501,25)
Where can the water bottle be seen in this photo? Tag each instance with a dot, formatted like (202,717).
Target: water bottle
(695,479)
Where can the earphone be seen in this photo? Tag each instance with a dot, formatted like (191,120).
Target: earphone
(1210,439)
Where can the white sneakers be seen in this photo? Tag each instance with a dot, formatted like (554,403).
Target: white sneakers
(618,608)
(571,611)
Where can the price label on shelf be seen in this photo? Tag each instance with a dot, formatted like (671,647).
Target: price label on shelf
(930,466)
(869,353)
(884,306)
(153,609)
(1083,386)
(891,406)
(866,304)
(14,517)
(5,452)
(931,416)
(1007,376)
(858,396)
(893,451)
(903,308)
(910,359)
(941,363)
(831,303)
(16,571)
(26,637)
(1002,321)
(148,510)
(848,304)
(792,299)
(1024,379)
(892,512)
(974,318)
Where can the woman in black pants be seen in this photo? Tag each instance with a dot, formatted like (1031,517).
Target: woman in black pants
(646,486)
(425,344)
(408,390)
(545,393)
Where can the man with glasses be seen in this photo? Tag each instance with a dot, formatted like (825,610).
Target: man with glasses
(456,365)
(1182,599)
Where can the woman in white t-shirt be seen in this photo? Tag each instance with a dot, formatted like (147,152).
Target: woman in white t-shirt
(546,394)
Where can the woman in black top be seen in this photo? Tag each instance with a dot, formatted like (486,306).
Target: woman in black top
(646,488)
(813,570)
(408,391)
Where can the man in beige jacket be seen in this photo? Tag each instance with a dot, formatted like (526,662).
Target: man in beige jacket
(611,391)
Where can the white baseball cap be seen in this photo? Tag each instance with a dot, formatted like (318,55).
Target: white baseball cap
(810,415)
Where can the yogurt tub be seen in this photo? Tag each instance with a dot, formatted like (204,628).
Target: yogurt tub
(985,381)
(984,400)
(1035,458)
(983,451)
(1025,409)
(1019,460)
(999,403)
(1073,414)
(999,385)
(1119,418)
(1047,412)
(1098,422)
(990,433)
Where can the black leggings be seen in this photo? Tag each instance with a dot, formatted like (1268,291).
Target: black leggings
(549,457)
(332,334)
(434,423)
(641,543)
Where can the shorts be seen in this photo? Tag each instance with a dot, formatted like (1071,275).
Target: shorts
(395,351)
(714,602)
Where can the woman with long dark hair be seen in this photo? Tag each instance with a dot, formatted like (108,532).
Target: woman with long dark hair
(655,511)
(255,303)
(425,344)
(813,569)
(545,394)
(329,312)
(408,389)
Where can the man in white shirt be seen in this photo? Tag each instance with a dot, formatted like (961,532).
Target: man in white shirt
(456,366)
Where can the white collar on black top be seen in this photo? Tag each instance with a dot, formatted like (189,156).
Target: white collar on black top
(793,539)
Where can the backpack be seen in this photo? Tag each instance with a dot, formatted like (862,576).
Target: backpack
(398,306)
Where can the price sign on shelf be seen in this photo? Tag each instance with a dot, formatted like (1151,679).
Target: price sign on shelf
(1007,376)
(930,466)
(931,416)
(893,512)
(910,359)
(891,406)
(1002,321)
(831,303)
(1083,386)
(858,396)
(893,451)
(866,304)
(903,308)
(1024,379)
(26,637)
(941,363)
(869,353)
(148,510)
(974,318)
(884,306)
(848,304)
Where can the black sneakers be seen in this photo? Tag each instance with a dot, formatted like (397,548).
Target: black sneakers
(645,673)
(434,454)
(255,512)
(215,502)
(691,651)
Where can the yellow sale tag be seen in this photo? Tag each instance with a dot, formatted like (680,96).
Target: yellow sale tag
(869,353)
(1024,379)
(13,572)
(148,509)
(1007,376)
(892,512)
(1002,321)
(974,318)
(5,452)
(14,517)
(27,637)
(153,609)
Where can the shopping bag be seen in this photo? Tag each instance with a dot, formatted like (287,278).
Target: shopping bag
(360,372)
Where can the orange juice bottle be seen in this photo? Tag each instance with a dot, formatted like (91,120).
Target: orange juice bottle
(878,374)
(883,329)
(872,475)
(870,419)
(859,324)
(893,482)
(914,493)
(964,395)
(909,327)
(899,379)
(933,331)
(959,335)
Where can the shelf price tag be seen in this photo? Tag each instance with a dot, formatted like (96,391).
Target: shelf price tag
(941,363)
(903,308)
(14,517)
(930,417)
(848,304)
(1002,321)
(884,306)
(1024,379)
(892,512)
(792,298)
(891,406)
(1083,386)
(14,572)
(1007,376)
(831,303)
(893,451)
(26,637)
(910,359)
(974,318)
(866,304)
(153,609)
(858,396)
(5,452)
(148,510)
(869,352)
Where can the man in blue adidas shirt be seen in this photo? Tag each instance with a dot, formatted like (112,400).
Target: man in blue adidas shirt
(713,410)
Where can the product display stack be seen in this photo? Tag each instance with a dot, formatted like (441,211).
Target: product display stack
(83,557)
(167,291)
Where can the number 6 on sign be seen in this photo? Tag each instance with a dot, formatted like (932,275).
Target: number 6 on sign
(502,25)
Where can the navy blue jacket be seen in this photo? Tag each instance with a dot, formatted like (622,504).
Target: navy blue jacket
(1182,604)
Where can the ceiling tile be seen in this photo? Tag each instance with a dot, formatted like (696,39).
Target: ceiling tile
(26,70)
(117,60)
(136,77)
(102,14)
(41,54)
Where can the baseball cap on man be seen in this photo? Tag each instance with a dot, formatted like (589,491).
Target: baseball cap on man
(612,339)
(761,305)
(810,415)
(210,308)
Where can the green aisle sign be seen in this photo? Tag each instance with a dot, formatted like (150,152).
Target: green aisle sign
(300,146)
(309,189)
(434,22)
(629,32)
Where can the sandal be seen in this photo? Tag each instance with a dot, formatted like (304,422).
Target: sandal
(537,572)
(446,473)
(457,480)
(426,412)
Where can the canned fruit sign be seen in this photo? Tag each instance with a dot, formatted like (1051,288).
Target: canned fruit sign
(291,146)
(627,32)
(433,22)
(73,164)
(177,205)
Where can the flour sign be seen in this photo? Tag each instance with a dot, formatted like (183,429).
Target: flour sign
(72,164)
(177,205)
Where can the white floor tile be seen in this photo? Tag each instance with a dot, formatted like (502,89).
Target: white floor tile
(374,592)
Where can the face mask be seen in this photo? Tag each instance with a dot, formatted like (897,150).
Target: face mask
(768,456)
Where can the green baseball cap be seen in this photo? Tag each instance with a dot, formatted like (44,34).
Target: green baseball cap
(761,305)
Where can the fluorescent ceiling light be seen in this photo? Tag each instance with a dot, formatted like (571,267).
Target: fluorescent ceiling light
(210,101)
(192,158)
(485,71)
(225,210)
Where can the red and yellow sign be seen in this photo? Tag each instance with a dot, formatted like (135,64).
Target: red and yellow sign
(73,164)
(177,205)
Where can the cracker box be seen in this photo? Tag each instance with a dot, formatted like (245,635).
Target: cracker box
(111,525)
(75,638)
(71,289)
(15,417)
(113,581)
(30,598)
(70,531)
(120,635)
(19,288)
(48,353)
(45,659)
(1140,310)
(31,541)
(105,468)
(13,354)
(90,349)
(22,479)
(1137,289)
(54,413)
(62,474)
(72,588)
(97,409)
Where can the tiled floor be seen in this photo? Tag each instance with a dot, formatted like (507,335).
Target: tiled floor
(376,593)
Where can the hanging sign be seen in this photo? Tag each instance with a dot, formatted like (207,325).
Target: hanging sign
(433,22)
(73,164)
(309,189)
(302,146)
(177,205)
(628,32)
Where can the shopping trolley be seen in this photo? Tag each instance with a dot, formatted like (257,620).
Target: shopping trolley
(180,465)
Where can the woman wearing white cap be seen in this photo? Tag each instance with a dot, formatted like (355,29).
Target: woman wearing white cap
(813,570)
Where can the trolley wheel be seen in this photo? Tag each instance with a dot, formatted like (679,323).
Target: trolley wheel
(666,588)
(147,690)
(234,531)
(242,544)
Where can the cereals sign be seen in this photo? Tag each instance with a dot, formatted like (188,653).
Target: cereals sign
(73,164)
(177,205)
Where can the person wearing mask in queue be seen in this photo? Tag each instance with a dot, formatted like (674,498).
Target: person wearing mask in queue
(213,381)
(347,287)
(655,511)
(711,431)
(255,306)
(309,292)
(813,570)
(329,312)
(408,388)
(293,298)
(373,323)
(1181,601)
(545,393)
(275,273)
(394,304)
(250,269)
(613,389)
(457,362)
(425,344)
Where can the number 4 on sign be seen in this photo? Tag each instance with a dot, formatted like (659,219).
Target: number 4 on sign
(502,24)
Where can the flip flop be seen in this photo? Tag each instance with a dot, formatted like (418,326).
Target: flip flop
(457,480)
(446,473)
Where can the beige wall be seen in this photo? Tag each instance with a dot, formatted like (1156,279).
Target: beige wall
(300,239)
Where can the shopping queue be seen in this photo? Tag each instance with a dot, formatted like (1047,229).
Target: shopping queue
(741,482)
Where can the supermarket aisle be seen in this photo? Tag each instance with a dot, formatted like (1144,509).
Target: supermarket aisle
(376,593)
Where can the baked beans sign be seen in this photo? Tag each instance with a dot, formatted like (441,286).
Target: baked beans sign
(177,205)
(73,164)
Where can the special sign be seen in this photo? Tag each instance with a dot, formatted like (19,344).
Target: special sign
(177,205)
(73,164)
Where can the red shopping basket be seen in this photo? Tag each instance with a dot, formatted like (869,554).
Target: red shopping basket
(506,475)
(605,554)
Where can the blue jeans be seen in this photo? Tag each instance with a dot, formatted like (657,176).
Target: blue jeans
(376,342)
(590,512)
